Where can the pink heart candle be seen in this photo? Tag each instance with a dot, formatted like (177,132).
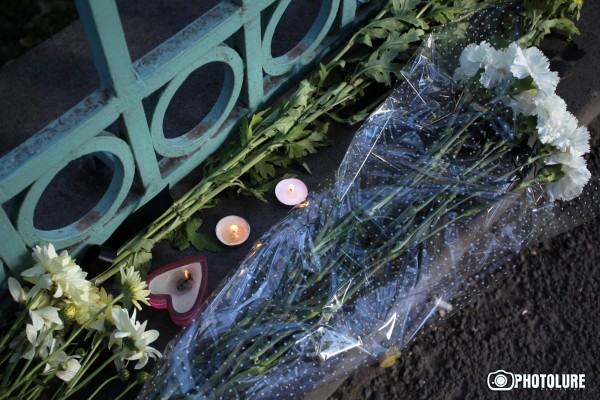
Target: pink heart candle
(181,287)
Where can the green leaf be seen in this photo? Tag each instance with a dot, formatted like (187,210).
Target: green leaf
(443,15)
(141,261)
(265,170)
(179,236)
(138,244)
(187,234)
(246,130)
(538,5)
(400,7)
(562,24)
(296,150)
(521,85)
(323,73)
(381,29)
(203,242)
(228,176)
(417,22)
(315,139)
(280,160)
(258,194)
(381,66)
(551,173)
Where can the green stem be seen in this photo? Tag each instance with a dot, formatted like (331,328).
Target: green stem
(86,363)
(127,389)
(99,388)
(93,374)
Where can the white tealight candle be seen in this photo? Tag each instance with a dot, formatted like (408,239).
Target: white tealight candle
(291,191)
(232,230)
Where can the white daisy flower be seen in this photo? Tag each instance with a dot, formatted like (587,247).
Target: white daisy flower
(135,340)
(104,319)
(134,288)
(471,60)
(532,62)
(45,316)
(576,176)
(40,342)
(16,291)
(60,364)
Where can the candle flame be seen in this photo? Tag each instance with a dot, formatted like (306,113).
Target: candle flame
(303,205)
(186,274)
(291,188)
(234,230)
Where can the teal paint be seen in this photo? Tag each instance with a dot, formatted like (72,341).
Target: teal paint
(136,95)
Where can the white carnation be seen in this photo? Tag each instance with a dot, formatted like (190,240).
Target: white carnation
(497,65)
(524,103)
(579,141)
(532,62)
(471,60)
(570,138)
(553,118)
(576,176)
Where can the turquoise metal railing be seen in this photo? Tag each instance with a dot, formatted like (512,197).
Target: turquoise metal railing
(138,94)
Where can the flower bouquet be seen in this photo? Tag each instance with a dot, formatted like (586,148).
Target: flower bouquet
(459,168)
(53,348)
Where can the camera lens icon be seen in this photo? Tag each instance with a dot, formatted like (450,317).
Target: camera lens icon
(500,380)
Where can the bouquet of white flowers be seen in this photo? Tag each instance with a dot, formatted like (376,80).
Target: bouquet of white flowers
(63,326)
(456,170)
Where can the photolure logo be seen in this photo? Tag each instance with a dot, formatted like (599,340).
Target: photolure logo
(503,380)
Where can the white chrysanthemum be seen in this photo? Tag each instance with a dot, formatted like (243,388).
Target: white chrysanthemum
(133,287)
(45,316)
(576,176)
(105,317)
(58,273)
(497,65)
(532,62)
(471,60)
(16,291)
(40,342)
(60,364)
(135,340)
(44,255)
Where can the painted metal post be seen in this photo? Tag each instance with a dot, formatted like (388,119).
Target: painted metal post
(102,25)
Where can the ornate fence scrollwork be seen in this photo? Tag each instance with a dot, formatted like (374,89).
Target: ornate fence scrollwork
(237,34)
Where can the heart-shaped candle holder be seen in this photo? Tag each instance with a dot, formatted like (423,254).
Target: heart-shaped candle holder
(181,287)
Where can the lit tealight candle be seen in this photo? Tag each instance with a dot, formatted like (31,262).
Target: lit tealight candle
(291,191)
(232,230)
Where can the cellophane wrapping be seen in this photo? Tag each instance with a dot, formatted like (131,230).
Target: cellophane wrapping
(427,201)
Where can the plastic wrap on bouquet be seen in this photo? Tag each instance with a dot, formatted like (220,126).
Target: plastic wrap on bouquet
(430,196)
